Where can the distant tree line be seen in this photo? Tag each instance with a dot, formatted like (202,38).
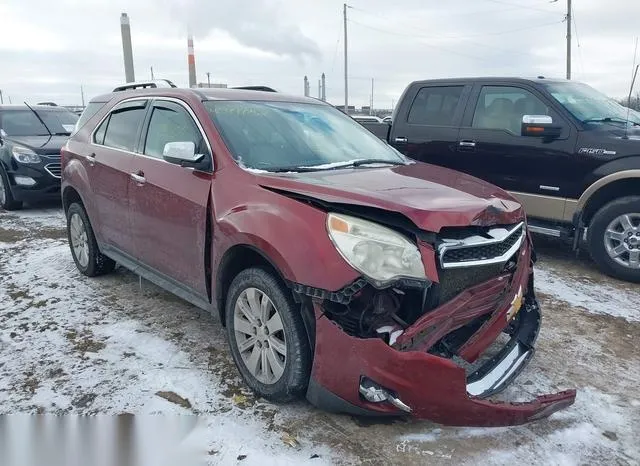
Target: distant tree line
(634,103)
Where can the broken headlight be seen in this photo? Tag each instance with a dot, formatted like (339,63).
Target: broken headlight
(376,251)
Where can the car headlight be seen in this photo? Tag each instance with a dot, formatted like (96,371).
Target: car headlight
(25,155)
(376,251)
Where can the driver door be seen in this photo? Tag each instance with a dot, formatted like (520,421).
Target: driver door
(491,139)
(169,202)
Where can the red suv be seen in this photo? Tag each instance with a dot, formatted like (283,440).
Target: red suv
(342,270)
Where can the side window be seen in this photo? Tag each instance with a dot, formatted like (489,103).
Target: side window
(435,106)
(171,123)
(502,107)
(98,137)
(123,126)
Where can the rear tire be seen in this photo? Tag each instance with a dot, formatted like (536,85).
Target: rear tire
(7,202)
(278,363)
(84,247)
(613,238)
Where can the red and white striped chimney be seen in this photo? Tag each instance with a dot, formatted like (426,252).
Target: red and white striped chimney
(191,61)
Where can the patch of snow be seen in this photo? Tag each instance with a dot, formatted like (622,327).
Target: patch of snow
(64,350)
(597,298)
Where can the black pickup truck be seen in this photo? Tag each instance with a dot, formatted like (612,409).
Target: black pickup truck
(570,154)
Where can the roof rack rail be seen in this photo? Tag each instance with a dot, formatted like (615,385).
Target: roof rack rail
(256,88)
(145,85)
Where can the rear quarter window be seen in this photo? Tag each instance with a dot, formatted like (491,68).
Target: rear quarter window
(88,113)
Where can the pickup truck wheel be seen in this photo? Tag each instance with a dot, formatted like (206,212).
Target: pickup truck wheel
(267,336)
(614,238)
(6,197)
(84,247)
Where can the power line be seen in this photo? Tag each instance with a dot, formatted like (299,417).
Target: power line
(575,29)
(524,7)
(418,34)
(453,52)
(495,33)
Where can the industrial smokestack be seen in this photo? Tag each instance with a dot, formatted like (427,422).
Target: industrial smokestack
(324,88)
(192,62)
(306,86)
(127,51)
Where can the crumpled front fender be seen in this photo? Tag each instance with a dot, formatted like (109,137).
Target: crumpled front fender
(433,387)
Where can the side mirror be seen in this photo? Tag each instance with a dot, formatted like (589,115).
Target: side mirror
(3,136)
(182,153)
(540,126)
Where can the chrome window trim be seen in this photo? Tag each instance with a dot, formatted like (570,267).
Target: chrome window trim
(461,244)
(182,103)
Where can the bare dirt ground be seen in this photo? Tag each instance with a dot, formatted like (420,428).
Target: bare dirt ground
(114,345)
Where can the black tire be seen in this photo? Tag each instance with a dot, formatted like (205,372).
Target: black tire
(98,263)
(596,232)
(295,378)
(9,202)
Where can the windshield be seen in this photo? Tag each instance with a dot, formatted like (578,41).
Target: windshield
(24,122)
(589,105)
(274,136)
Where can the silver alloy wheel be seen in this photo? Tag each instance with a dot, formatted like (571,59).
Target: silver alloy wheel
(260,336)
(3,196)
(79,240)
(622,240)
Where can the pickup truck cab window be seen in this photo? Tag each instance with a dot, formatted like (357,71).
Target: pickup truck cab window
(435,106)
(502,107)
(171,123)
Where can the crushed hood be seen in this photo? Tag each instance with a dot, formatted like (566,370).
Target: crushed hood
(431,197)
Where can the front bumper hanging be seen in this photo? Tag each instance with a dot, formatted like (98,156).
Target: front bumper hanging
(374,378)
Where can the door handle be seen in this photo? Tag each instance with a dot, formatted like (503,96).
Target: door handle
(467,144)
(138,178)
(400,139)
(91,159)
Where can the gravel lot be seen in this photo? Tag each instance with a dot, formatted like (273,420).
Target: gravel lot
(114,345)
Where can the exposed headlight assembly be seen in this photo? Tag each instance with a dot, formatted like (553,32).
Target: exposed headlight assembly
(380,253)
(25,155)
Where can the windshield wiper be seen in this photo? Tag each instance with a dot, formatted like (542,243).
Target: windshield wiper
(337,166)
(39,118)
(610,120)
(64,133)
(359,163)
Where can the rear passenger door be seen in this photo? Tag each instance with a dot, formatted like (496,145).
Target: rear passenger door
(495,150)
(168,202)
(428,129)
(108,163)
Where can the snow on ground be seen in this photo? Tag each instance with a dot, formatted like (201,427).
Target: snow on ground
(113,345)
(589,295)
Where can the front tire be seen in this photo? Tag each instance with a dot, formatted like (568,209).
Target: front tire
(84,247)
(267,336)
(7,202)
(614,238)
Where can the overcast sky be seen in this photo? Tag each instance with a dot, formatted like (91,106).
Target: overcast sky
(49,48)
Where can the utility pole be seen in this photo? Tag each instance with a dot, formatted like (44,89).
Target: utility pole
(1,98)
(371,103)
(323,97)
(208,79)
(568,39)
(152,77)
(82,95)
(346,65)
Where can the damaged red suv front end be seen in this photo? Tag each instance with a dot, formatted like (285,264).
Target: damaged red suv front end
(438,347)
